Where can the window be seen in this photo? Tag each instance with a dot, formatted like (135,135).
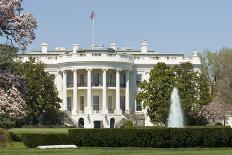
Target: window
(95,102)
(69,103)
(96,79)
(138,78)
(110,104)
(81,102)
(122,103)
(96,54)
(81,123)
(69,79)
(138,106)
(122,80)
(110,80)
(82,79)
(112,122)
(97,124)
(136,58)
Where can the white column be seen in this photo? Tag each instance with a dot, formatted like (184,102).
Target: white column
(104,93)
(127,92)
(117,109)
(74,109)
(64,90)
(59,84)
(89,93)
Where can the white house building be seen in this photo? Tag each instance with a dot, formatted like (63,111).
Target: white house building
(99,85)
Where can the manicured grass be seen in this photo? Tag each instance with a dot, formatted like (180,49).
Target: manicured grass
(38,130)
(19,149)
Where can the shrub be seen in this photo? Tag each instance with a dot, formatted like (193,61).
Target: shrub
(136,137)
(6,122)
(127,124)
(156,137)
(4,138)
(34,140)
(15,137)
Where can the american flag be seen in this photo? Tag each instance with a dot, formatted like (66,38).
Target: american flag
(92,16)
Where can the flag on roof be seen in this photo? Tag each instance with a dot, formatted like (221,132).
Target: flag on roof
(92,16)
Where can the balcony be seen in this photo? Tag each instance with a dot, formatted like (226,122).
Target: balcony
(69,85)
(123,85)
(111,111)
(111,84)
(96,84)
(90,57)
(81,84)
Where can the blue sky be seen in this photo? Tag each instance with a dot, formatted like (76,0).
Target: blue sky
(168,25)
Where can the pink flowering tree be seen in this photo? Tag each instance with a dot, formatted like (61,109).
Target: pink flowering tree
(15,25)
(12,95)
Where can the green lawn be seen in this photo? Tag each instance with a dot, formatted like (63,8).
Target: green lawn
(19,149)
(38,130)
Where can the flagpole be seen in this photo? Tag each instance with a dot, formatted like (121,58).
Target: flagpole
(93,35)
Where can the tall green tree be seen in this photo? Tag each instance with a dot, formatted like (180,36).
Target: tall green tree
(155,93)
(42,97)
(194,92)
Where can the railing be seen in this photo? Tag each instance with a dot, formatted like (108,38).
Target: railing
(97,57)
(123,85)
(111,111)
(81,84)
(69,85)
(96,84)
(111,84)
(81,111)
(96,111)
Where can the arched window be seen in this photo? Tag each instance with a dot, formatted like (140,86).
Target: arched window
(81,123)
(112,122)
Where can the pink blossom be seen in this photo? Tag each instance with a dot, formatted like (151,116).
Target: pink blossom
(15,25)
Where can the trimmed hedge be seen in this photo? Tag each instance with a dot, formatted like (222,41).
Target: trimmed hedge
(16,137)
(34,140)
(157,137)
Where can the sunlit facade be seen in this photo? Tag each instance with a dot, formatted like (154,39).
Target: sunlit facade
(98,86)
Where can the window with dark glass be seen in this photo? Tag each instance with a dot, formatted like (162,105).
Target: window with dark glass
(138,78)
(138,106)
(110,104)
(96,79)
(81,102)
(110,80)
(95,102)
(82,79)
(97,124)
(122,103)
(69,79)
(69,103)
(122,80)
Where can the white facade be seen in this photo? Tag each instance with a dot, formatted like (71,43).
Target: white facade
(99,85)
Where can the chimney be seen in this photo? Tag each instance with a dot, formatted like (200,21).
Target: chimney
(44,47)
(195,53)
(144,47)
(113,46)
(75,48)
(195,57)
